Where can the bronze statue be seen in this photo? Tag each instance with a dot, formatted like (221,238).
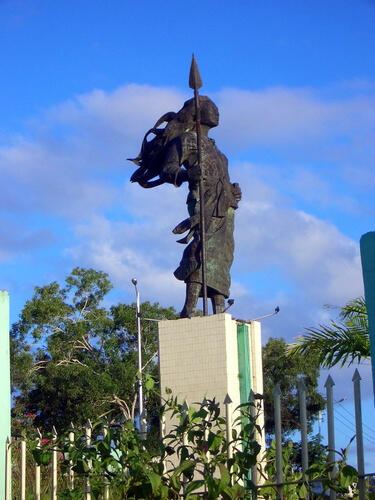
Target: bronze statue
(176,155)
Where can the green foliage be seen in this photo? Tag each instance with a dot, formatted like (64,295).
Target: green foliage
(74,359)
(285,370)
(342,342)
(192,458)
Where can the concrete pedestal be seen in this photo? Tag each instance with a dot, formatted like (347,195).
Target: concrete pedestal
(211,357)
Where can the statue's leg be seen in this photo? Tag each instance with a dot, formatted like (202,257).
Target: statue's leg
(192,296)
(218,303)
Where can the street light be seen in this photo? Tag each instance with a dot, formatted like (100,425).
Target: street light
(142,426)
(277,309)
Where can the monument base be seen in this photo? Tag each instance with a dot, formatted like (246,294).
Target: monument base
(210,357)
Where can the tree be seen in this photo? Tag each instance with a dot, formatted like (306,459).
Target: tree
(285,370)
(341,342)
(73,359)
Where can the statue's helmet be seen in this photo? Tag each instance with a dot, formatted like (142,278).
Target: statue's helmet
(209,112)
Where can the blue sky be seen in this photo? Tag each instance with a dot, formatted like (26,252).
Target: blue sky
(295,84)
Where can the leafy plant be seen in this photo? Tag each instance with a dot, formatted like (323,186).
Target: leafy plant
(193,458)
(337,476)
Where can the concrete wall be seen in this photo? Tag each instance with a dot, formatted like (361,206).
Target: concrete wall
(199,358)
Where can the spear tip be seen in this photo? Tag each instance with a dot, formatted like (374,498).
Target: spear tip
(195,80)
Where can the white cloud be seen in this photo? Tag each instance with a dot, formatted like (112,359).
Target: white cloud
(320,261)
(286,117)
(120,249)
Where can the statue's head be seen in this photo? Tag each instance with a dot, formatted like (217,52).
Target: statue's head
(152,152)
(209,112)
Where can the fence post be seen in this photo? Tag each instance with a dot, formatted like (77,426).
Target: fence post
(37,468)
(184,412)
(278,440)
(54,465)
(254,470)
(8,468)
(23,469)
(88,429)
(359,434)
(228,425)
(206,431)
(4,386)
(330,426)
(106,487)
(70,468)
(303,423)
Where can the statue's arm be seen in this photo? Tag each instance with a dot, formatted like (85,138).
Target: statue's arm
(236,194)
(171,170)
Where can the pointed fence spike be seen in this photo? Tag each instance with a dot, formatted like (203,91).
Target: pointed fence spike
(277,390)
(356,376)
(227,400)
(71,426)
(185,406)
(54,431)
(329,382)
(195,80)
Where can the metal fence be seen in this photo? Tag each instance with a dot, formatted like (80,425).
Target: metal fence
(52,481)
(329,384)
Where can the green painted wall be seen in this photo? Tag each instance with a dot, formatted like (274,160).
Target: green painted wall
(368,269)
(4,384)
(244,367)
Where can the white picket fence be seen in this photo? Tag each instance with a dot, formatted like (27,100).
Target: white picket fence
(279,480)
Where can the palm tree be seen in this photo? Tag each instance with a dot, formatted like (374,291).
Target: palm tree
(342,342)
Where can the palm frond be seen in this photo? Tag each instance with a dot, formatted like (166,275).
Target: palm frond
(339,342)
(356,308)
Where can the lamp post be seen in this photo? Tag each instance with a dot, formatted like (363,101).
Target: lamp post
(142,426)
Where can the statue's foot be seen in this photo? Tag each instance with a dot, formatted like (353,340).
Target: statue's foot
(186,314)
(218,303)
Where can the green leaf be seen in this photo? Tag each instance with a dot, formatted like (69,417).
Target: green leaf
(224,476)
(193,485)
(214,441)
(42,457)
(302,492)
(155,481)
(81,466)
(104,448)
(149,382)
(349,475)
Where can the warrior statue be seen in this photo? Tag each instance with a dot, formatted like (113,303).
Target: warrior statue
(176,155)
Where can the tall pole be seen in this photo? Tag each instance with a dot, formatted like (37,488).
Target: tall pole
(4,387)
(330,426)
(195,83)
(139,347)
(359,434)
(368,269)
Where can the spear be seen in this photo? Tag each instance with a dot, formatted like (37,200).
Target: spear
(195,83)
